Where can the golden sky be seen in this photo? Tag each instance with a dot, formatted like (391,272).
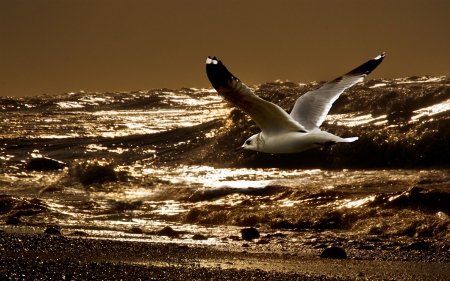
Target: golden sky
(57,46)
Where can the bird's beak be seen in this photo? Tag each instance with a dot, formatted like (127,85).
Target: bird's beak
(239,148)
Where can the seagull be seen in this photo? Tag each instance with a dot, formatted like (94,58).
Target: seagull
(282,132)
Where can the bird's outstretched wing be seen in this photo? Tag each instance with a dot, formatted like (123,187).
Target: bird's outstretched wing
(270,118)
(311,108)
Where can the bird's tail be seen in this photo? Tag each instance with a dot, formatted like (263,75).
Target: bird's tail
(325,136)
(349,139)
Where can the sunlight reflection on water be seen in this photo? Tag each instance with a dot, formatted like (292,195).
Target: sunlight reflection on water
(207,176)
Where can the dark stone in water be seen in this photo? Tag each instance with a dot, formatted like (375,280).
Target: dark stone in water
(420,246)
(199,237)
(249,233)
(168,231)
(93,173)
(136,230)
(53,231)
(13,221)
(44,164)
(334,253)
(98,174)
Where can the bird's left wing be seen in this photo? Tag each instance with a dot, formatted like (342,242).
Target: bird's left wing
(270,118)
(311,108)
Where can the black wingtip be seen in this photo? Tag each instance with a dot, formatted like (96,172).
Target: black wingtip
(217,73)
(367,67)
(380,57)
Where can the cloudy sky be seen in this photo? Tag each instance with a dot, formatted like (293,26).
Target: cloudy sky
(57,46)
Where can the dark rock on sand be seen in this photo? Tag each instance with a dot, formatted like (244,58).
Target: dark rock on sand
(420,246)
(168,231)
(44,164)
(13,221)
(53,231)
(334,253)
(249,233)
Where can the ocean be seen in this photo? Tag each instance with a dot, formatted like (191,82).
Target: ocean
(129,165)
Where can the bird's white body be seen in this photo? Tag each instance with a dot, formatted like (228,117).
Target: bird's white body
(282,132)
(292,142)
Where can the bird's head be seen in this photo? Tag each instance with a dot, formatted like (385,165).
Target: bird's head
(249,144)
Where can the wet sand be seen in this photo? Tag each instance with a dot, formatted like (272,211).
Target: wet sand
(58,257)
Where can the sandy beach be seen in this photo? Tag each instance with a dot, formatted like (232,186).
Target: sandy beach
(58,257)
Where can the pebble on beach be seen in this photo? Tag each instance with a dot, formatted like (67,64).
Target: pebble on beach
(249,233)
(420,246)
(334,253)
(52,230)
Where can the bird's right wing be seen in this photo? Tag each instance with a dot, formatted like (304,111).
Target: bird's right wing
(270,118)
(311,108)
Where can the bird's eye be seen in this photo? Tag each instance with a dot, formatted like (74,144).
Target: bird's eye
(248,142)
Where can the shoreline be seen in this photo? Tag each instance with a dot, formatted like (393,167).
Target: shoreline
(57,257)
